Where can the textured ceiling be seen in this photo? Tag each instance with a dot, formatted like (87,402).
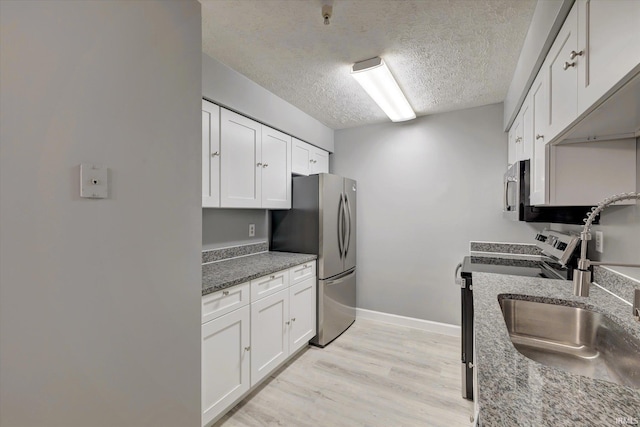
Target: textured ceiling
(445,54)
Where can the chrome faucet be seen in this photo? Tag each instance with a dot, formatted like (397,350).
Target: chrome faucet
(582,275)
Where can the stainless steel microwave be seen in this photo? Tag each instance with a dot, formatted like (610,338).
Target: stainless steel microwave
(516,207)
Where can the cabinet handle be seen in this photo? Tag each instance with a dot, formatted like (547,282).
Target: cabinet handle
(539,136)
(272,277)
(574,54)
(568,64)
(518,139)
(216,153)
(293,319)
(265,165)
(225,293)
(287,322)
(258,164)
(247,348)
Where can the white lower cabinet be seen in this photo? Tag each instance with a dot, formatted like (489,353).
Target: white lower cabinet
(225,362)
(270,332)
(302,309)
(242,347)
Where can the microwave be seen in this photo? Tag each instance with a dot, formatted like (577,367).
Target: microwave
(516,207)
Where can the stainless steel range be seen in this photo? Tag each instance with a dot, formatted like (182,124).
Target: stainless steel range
(558,260)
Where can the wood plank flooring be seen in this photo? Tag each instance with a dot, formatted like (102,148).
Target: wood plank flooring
(375,374)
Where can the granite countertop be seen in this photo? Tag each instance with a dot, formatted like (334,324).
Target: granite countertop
(514,390)
(223,274)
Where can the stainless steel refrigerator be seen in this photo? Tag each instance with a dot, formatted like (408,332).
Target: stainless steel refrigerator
(322,221)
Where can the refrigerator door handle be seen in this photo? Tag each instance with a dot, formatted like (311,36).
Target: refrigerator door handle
(340,225)
(348,234)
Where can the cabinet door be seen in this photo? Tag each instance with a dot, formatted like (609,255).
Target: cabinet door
(514,140)
(301,157)
(562,76)
(269,334)
(241,166)
(526,128)
(225,362)
(609,38)
(276,169)
(320,161)
(210,155)
(539,107)
(303,313)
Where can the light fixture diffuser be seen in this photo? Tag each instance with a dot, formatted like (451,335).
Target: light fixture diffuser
(376,79)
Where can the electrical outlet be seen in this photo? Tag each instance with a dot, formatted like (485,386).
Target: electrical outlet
(599,241)
(252,230)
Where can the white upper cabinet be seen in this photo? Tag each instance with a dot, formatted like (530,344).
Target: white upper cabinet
(210,155)
(308,159)
(241,166)
(609,40)
(255,164)
(539,106)
(596,50)
(276,169)
(563,75)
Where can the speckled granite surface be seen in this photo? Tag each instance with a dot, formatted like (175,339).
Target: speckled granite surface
(516,262)
(223,274)
(505,248)
(619,285)
(233,252)
(516,391)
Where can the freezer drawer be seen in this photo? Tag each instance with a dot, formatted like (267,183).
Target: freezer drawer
(336,306)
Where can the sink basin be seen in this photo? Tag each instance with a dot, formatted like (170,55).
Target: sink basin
(573,339)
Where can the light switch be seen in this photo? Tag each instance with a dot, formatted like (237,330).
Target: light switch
(93,181)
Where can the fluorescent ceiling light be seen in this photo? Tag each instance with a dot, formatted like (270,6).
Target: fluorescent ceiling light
(374,76)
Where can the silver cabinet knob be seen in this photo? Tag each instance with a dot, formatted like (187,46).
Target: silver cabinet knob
(574,54)
(258,164)
(287,322)
(518,139)
(265,165)
(539,136)
(225,293)
(272,277)
(293,319)
(215,153)
(247,348)
(568,64)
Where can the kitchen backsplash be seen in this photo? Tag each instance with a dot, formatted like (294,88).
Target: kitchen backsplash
(233,252)
(503,248)
(618,284)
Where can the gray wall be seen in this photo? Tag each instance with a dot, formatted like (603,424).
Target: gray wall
(231,89)
(100,299)
(426,188)
(547,20)
(230,227)
(621,228)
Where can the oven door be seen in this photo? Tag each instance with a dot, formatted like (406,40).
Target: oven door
(511,192)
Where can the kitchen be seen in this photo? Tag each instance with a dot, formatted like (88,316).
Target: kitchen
(102,332)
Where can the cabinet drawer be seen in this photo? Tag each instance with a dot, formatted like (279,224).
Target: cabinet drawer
(225,301)
(270,284)
(302,272)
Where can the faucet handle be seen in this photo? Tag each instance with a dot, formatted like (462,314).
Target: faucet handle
(636,304)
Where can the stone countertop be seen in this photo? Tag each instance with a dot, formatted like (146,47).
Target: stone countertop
(223,274)
(516,391)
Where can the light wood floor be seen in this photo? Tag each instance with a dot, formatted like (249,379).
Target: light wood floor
(375,374)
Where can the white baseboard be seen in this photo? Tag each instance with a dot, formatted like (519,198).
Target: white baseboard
(410,322)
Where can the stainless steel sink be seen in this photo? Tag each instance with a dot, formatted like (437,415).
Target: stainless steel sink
(574,339)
